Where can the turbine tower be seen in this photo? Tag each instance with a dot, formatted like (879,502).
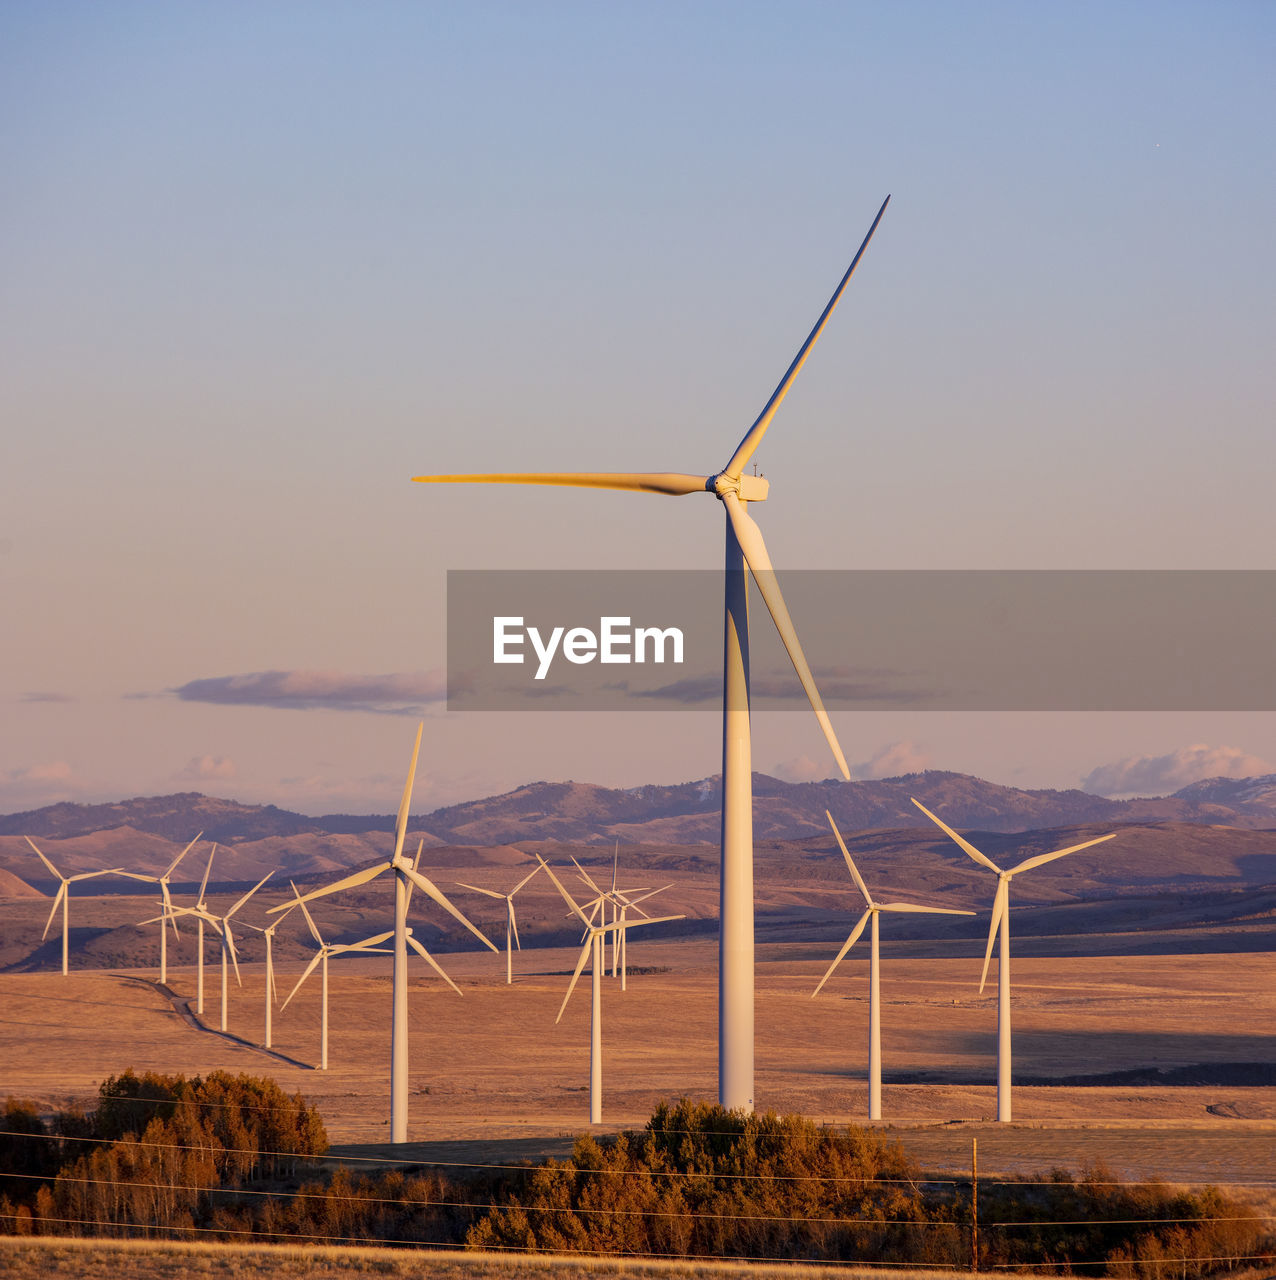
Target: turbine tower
(872,911)
(999,928)
(62,897)
(745,553)
(405,875)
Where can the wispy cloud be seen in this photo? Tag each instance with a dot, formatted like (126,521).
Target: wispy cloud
(837,686)
(1159,775)
(202,768)
(43,695)
(893,760)
(406,694)
(53,771)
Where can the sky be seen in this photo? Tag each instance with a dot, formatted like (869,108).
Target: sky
(262,264)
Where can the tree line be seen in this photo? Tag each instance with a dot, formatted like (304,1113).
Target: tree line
(233,1155)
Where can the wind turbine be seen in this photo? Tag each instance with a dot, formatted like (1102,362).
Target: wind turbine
(1000,927)
(871,912)
(271,993)
(62,897)
(222,925)
(511,924)
(369,945)
(405,874)
(201,913)
(167,915)
(593,947)
(745,553)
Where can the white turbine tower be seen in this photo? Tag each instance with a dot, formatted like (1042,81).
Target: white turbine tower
(511,923)
(167,915)
(745,553)
(405,875)
(871,912)
(62,897)
(999,927)
(593,947)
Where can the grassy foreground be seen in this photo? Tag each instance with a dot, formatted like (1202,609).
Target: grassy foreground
(64,1259)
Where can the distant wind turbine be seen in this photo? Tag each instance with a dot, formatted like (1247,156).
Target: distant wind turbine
(62,897)
(223,927)
(511,923)
(272,993)
(872,911)
(1001,921)
(320,960)
(405,874)
(745,553)
(167,915)
(592,950)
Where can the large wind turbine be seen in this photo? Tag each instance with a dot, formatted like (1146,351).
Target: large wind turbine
(511,924)
(745,553)
(592,948)
(405,874)
(1000,927)
(62,897)
(871,912)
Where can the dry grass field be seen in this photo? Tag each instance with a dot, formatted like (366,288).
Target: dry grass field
(104,1260)
(494,1080)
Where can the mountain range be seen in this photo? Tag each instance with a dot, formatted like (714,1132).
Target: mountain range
(683,814)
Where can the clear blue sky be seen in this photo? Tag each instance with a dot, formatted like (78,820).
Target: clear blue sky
(263,263)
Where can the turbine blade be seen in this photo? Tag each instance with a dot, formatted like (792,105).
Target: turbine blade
(523,881)
(45,860)
(53,911)
(350,882)
(1000,905)
(615,865)
(491,893)
(587,878)
(675,483)
(846,946)
(427,886)
(366,943)
(203,884)
(172,866)
(230,946)
(913,908)
(965,844)
(567,897)
(249,894)
(509,905)
(433,963)
(749,537)
(1041,859)
(314,929)
(846,853)
(580,964)
(306,972)
(753,438)
(416,866)
(401,827)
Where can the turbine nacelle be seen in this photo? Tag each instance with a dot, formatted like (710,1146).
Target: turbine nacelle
(747,488)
